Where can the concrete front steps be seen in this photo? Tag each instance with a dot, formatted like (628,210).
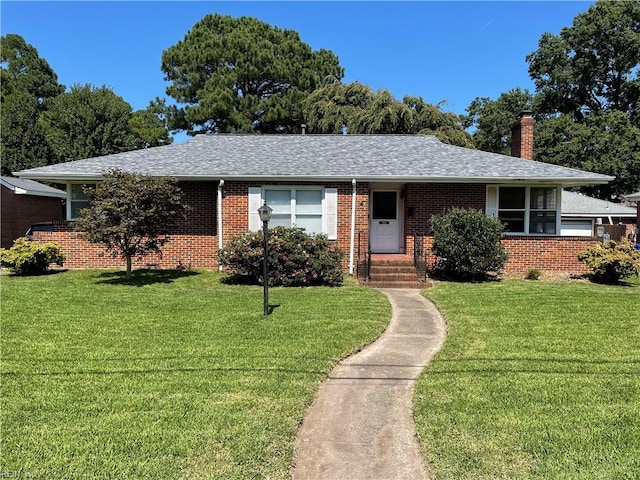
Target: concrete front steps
(394,271)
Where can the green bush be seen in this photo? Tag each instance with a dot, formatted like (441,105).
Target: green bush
(533,274)
(611,262)
(295,258)
(467,245)
(30,258)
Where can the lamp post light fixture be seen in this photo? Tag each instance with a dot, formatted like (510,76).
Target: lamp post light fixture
(265,215)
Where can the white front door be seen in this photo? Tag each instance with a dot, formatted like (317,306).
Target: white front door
(384,232)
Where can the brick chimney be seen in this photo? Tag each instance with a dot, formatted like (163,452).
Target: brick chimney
(522,136)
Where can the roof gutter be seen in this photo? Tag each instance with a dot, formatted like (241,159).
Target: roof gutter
(596,215)
(563,181)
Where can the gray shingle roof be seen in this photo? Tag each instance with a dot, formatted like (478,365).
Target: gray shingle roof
(633,197)
(574,204)
(416,158)
(30,187)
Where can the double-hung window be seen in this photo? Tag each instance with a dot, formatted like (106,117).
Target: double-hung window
(542,214)
(311,208)
(77,199)
(511,208)
(525,210)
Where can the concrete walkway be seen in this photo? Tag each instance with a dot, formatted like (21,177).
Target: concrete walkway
(361,424)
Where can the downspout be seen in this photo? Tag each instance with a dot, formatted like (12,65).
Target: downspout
(353,225)
(220,185)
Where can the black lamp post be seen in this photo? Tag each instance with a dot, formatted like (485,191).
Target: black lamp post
(265,215)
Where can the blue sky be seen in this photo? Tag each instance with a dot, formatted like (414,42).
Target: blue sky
(442,51)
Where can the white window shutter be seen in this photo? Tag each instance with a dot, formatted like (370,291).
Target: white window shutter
(331,213)
(492,201)
(255,202)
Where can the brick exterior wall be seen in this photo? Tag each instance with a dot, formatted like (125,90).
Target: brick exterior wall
(551,254)
(236,209)
(423,200)
(194,241)
(19,212)
(548,254)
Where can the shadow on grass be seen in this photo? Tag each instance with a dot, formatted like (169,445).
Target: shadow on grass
(622,282)
(237,279)
(444,277)
(272,307)
(52,271)
(140,278)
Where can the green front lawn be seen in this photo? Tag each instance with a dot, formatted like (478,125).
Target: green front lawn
(180,376)
(176,376)
(535,380)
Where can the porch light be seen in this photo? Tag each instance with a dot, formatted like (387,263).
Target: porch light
(265,215)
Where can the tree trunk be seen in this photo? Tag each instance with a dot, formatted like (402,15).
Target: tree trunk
(128,267)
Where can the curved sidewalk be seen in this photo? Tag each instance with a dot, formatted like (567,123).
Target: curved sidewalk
(361,424)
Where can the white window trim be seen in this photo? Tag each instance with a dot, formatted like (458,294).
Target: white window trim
(492,207)
(328,211)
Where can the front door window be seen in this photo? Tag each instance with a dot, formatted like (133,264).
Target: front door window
(384,222)
(384,205)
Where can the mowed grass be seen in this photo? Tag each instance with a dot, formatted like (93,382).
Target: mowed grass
(536,380)
(173,376)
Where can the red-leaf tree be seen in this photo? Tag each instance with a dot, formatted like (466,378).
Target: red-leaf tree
(130,213)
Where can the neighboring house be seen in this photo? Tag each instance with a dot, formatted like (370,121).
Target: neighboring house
(24,203)
(581,213)
(362,191)
(635,197)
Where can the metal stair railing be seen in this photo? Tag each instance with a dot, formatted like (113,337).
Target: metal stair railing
(363,260)
(420,256)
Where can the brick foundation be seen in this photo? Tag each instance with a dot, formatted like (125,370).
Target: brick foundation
(192,251)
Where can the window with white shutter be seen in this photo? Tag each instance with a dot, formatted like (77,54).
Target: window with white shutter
(311,208)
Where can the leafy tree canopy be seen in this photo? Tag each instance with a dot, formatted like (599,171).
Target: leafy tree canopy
(150,126)
(131,214)
(42,124)
(587,99)
(607,143)
(363,111)
(24,71)
(429,119)
(87,122)
(242,75)
(27,82)
(23,142)
(492,119)
(593,65)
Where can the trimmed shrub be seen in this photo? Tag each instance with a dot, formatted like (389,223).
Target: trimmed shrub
(31,258)
(611,262)
(295,258)
(467,245)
